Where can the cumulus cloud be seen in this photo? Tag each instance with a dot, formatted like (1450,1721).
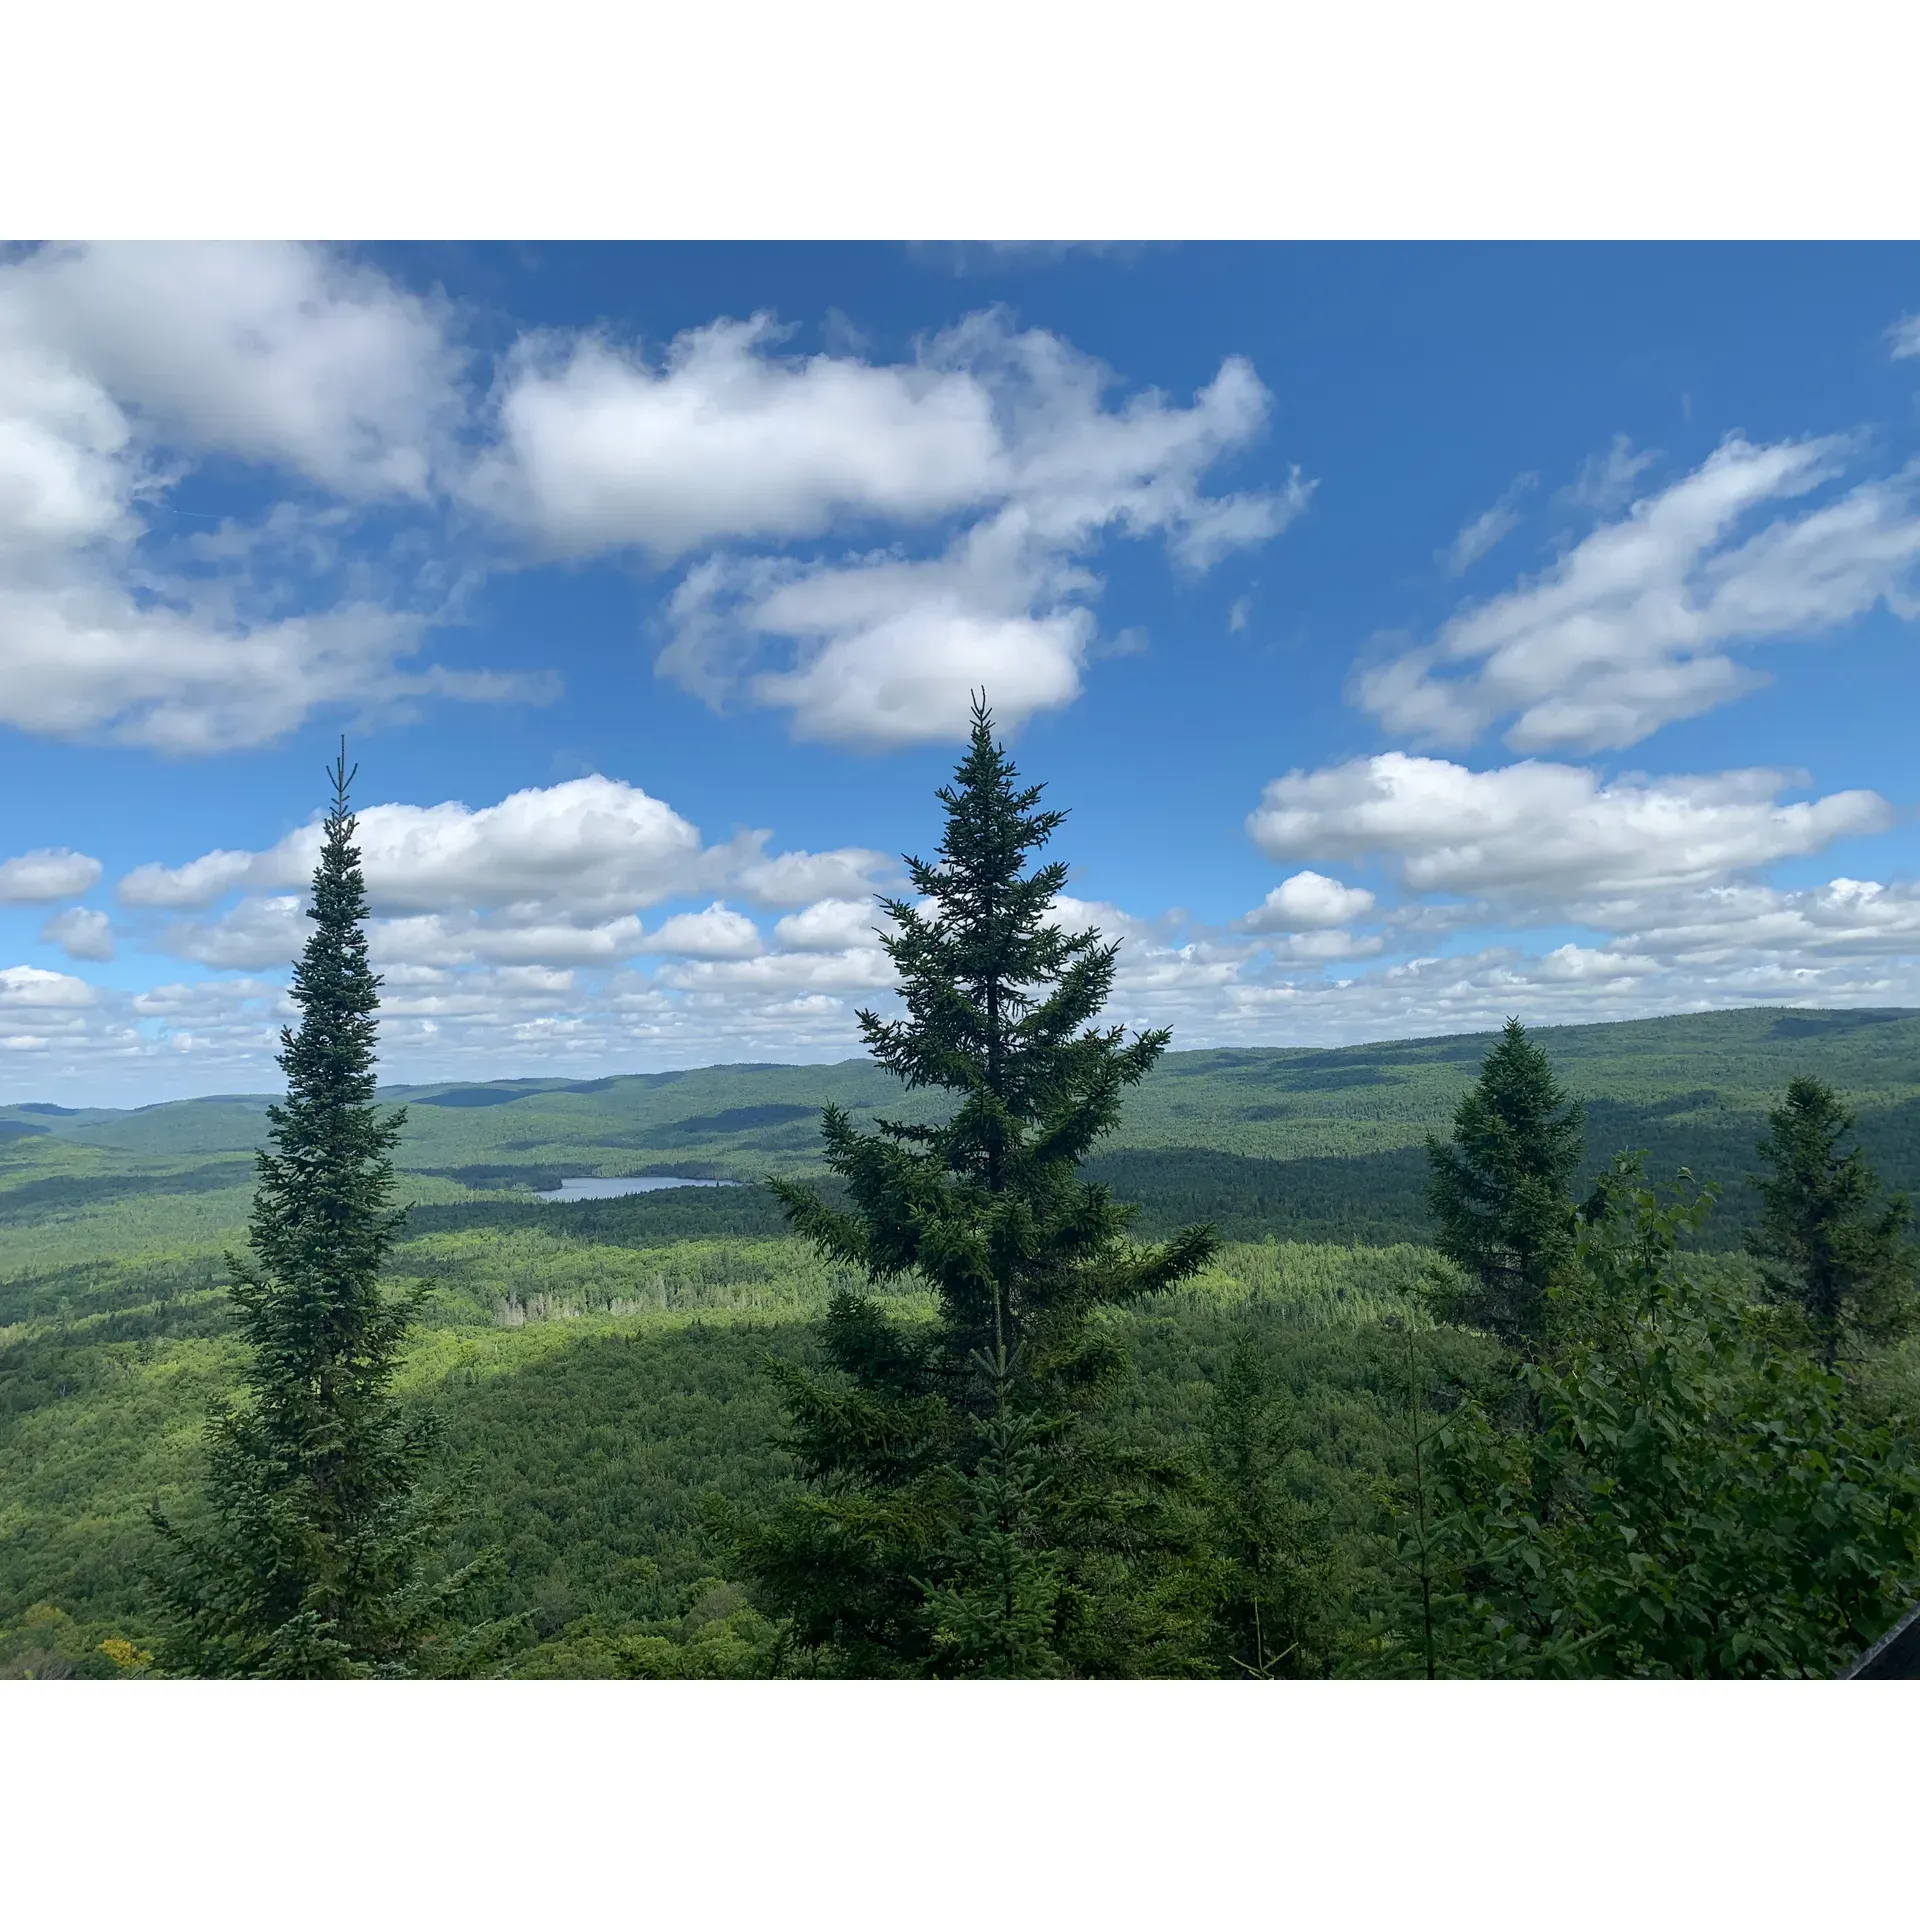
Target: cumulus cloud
(119,367)
(197,884)
(1903,337)
(1309,900)
(831,926)
(257,933)
(81,933)
(715,933)
(36,989)
(587,845)
(860,970)
(796,879)
(50,873)
(269,351)
(589,850)
(1548,831)
(724,440)
(550,876)
(433,942)
(1840,920)
(1485,531)
(1632,628)
(1006,451)
(882,648)
(1679,949)
(1324,944)
(88,660)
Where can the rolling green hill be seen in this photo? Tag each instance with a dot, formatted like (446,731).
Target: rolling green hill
(598,1365)
(1297,1143)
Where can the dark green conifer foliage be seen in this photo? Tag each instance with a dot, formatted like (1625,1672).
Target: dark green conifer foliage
(1827,1246)
(1272,1549)
(1692,1498)
(963,1516)
(1501,1193)
(309,1563)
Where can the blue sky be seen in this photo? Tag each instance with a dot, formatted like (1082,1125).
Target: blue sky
(1417,633)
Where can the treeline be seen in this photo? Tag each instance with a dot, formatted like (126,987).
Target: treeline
(1583,1450)
(634,1220)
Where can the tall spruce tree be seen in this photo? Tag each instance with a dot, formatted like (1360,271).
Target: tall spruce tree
(963,1515)
(308,1563)
(1827,1244)
(1501,1193)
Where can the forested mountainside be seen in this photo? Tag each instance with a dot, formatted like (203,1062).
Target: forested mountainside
(1297,1143)
(598,1368)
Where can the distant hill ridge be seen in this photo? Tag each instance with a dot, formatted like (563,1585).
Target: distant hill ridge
(1289,1140)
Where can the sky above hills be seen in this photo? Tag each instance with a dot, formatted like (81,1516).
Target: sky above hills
(1418,634)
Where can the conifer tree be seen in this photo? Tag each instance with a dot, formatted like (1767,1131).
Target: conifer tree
(1271,1548)
(1501,1192)
(1827,1247)
(962,1514)
(309,1561)
(1694,1498)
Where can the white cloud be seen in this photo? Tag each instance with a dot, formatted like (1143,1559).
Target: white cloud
(887,654)
(715,933)
(67,472)
(586,845)
(1606,481)
(549,877)
(883,649)
(725,440)
(1548,831)
(1631,629)
(1903,337)
(1841,920)
(1579,964)
(436,941)
(118,367)
(50,873)
(588,851)
(35,989)
(1481,535)
(269,351)
(589,844)
(831,926)
(197,884)
(796,879)
(1323,944)
(81,933)
(861,970)
(84,659)
(255,934)
(1309,900)
(1680,949)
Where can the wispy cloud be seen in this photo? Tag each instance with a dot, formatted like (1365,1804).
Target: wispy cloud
(1635,626)
(1481,535)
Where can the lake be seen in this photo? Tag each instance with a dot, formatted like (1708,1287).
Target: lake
(613,1189)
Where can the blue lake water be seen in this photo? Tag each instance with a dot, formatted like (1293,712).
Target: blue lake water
(613,1189)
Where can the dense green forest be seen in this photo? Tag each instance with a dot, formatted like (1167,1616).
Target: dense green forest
(1023,1346)
(598,1366)
(1301,1143)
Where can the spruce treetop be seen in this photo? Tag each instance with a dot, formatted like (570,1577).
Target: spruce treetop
(1000,1008)
(962,1513)
(310,1561)
(1827,1243)
(1501,1189)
